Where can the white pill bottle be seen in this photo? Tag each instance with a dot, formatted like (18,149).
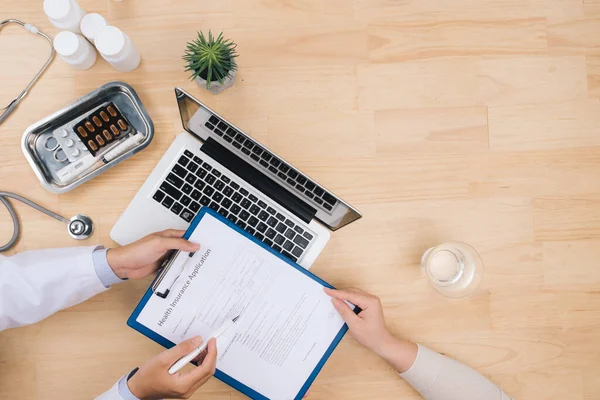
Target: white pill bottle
(117,49)
(64,14)
(74,50)
(91,25)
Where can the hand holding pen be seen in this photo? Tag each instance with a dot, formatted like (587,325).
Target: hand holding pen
(183,361)
(153,381)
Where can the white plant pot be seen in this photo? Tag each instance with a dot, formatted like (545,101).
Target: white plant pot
(215,86)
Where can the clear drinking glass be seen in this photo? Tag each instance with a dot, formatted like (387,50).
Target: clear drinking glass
(454,269)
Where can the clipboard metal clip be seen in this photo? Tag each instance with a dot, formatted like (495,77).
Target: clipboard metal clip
(166,267)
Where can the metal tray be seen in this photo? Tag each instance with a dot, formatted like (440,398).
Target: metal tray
(44,164)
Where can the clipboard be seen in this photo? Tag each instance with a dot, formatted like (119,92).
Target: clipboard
(241,387)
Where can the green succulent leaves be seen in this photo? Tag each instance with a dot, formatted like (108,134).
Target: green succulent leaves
(212,59)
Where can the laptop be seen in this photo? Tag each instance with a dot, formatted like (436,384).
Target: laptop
(215,164)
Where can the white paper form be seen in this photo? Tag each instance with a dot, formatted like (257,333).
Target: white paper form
(286,322)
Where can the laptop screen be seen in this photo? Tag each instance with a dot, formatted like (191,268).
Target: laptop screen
(203,123)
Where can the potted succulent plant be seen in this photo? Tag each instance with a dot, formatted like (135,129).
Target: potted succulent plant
(211,61)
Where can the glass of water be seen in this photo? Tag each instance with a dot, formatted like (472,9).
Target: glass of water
(454,269)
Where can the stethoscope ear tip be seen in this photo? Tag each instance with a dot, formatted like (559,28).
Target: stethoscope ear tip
(80,227)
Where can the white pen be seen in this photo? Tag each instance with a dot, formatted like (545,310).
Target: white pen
(183,361)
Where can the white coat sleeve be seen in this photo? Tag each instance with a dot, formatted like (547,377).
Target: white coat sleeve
(111,394)
(119,391)
(36,284)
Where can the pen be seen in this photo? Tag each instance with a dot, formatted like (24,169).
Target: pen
(183,361)
(185,263)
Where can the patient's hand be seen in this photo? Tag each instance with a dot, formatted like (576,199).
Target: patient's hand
(368,327)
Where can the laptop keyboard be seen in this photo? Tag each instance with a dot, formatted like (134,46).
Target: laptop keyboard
(286,174)
(193,183)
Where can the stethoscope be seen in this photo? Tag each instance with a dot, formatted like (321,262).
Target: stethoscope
(79,227)
(4,112)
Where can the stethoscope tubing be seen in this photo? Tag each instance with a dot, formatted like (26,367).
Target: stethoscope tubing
(6,111)
(16,226)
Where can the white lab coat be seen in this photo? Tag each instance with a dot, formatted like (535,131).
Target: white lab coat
(36,284)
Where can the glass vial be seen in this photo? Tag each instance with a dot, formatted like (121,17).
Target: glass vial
(91,24)
(116,48)
(74,50)
(64,14)
(454,269)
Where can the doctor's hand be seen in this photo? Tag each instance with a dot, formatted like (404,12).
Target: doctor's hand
(152,381)
(142,258)
(369,329)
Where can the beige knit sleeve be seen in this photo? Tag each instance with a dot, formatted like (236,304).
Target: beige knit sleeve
(438,377)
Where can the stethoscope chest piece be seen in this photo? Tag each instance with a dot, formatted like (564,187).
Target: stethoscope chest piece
(80,227)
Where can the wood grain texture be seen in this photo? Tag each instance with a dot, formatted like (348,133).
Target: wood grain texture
(473,120)
(545,126)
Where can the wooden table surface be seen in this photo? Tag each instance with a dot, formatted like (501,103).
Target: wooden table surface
(471,120)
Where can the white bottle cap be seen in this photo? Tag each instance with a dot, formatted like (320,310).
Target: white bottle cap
(110,41)
(91,24)
(67,44)
(57,9)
